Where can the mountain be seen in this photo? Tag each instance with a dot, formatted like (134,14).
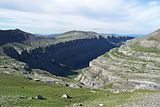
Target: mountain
(59,55)
(123,34)
(43,35)
(135,65)
(11,36)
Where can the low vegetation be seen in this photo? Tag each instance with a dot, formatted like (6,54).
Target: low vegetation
(145,49)
(18,91)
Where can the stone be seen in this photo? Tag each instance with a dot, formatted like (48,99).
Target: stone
(74,86)
(61,83)
(39,97)
(77,104)
(36,79)
(115,91)
(101,105)
(66,96)
(22,97)
(31,98)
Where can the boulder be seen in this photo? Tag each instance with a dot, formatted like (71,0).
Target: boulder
(39,97)
(66,96)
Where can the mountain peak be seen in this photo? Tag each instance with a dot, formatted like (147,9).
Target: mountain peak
(79,35)
(154,36)
(74,32)
(16,35)
(19,30)
(11,30)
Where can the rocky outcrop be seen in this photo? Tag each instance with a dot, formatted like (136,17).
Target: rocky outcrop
(11,66)
(135,65)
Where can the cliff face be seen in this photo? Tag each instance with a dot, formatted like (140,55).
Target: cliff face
(60,55)
(61,58)
(132,66)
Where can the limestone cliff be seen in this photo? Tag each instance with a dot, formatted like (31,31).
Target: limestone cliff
(134,65)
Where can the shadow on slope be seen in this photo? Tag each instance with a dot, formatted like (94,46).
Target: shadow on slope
(61,59)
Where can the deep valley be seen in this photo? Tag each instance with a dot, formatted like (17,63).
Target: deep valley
(78,68)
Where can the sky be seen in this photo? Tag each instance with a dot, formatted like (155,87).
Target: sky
(102,16)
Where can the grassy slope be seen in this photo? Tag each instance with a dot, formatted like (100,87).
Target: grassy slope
(13,87)
(145,49)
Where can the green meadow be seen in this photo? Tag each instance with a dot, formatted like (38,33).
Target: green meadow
(17,91)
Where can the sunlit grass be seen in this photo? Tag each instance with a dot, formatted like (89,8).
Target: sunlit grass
(15,86)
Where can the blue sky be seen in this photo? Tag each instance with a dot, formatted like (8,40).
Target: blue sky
(103,16)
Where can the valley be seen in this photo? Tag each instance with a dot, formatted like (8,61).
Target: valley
(90,69)
(79,53)
(59,55)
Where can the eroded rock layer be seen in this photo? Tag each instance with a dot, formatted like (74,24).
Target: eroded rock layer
(134,65)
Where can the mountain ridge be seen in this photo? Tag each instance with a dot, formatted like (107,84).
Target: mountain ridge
(60,56)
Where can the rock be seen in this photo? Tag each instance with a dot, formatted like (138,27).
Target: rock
(115,91)
(37,79)
(74,86)
(61,83)
(77,104)
(39,97)
(22,97)
(101,105)
(66,96)
(31,98)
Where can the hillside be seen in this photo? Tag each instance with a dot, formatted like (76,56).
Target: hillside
(135,65)
(19,92)
(59,55)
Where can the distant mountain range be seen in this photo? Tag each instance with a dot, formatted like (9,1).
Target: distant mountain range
(121,34)
(103,34)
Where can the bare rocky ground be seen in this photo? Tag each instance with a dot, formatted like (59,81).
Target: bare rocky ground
(148,100)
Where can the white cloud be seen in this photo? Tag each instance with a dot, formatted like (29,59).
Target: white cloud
(153,2)
(49,16)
